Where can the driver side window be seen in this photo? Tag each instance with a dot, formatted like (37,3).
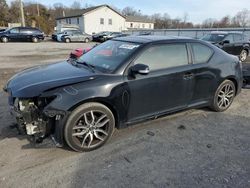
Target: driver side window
(229,38)
(164,56)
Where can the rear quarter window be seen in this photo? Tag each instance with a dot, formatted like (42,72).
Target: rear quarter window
(201,52)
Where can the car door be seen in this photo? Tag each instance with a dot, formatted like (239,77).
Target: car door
(81,36)
(228,46)
(14,34)
(73,36)
(166,87)
(25,34)
(238,43)
(204,76)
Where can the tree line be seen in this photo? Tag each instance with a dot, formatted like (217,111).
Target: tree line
(43,17)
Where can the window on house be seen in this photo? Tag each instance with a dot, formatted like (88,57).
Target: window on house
(69,21)
(60,21)
(131,25)
(110,21)
(150,26)
(143,25)
(102,21)
(78,21)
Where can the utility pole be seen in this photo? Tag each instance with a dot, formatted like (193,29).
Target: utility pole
(22,13)
(38,10)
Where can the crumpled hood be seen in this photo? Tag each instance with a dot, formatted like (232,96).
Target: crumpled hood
(33,81)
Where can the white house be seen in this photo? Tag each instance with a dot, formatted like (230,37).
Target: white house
(138,22)
(95,19)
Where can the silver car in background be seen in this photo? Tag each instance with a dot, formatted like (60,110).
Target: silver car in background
(76,36)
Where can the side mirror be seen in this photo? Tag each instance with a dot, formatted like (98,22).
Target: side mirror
(140,69)
(226,42)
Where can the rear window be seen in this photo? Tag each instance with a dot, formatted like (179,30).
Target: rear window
(202,53)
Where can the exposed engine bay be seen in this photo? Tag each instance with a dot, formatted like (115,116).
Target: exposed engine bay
(30,118)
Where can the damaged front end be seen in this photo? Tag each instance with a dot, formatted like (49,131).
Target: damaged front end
(31,119)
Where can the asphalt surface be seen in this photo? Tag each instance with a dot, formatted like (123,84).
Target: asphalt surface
(194,148)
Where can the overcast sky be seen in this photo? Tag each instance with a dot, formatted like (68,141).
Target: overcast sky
(198,10)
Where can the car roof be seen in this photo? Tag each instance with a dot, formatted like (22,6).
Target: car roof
(151,38)
(226,32)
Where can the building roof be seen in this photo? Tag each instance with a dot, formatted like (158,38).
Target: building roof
(141,19)
(85,11)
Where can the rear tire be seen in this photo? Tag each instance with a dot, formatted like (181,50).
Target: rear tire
(35,39)
(243,55)
(4,39)
(86,40)
(224,96)
(89,127)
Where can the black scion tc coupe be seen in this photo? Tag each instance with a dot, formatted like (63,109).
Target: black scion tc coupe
(118,83)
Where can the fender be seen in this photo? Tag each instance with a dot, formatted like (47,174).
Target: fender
(115,96)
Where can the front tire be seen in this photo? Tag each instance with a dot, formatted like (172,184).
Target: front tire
(224,96)
(67,40)
(89,127)
(35,39)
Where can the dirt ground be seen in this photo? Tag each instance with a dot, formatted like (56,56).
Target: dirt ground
(194,148)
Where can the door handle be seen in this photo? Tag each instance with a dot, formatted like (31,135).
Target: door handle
(188,76)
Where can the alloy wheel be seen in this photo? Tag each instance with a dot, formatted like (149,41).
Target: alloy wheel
(91,130)
(243,55)
(35,40)
(4,39)
(86,40)
(225,96)
(67,40)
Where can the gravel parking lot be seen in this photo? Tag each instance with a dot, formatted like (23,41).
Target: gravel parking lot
(194,148)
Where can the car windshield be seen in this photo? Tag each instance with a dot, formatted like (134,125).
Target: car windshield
(108,56)
(214,37)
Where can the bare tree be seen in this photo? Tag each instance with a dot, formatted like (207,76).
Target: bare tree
(242,18)
(76,5)
(130,11)
(224,22)
(3,13)
(208,23)
(185,17)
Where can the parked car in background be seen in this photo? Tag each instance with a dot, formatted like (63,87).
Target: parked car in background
(119,83)
(67,32)
(100,37)
(77,53)
(234,43)
(246,75)
(113,35)
(76,36)
(54,35)
(21,34)
(104,36)
(2,30)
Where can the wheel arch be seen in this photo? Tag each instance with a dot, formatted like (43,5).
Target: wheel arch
(233,79)
(247,49)
(104,102)
(4,36)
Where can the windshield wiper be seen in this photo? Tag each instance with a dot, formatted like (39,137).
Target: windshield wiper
(91,67)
